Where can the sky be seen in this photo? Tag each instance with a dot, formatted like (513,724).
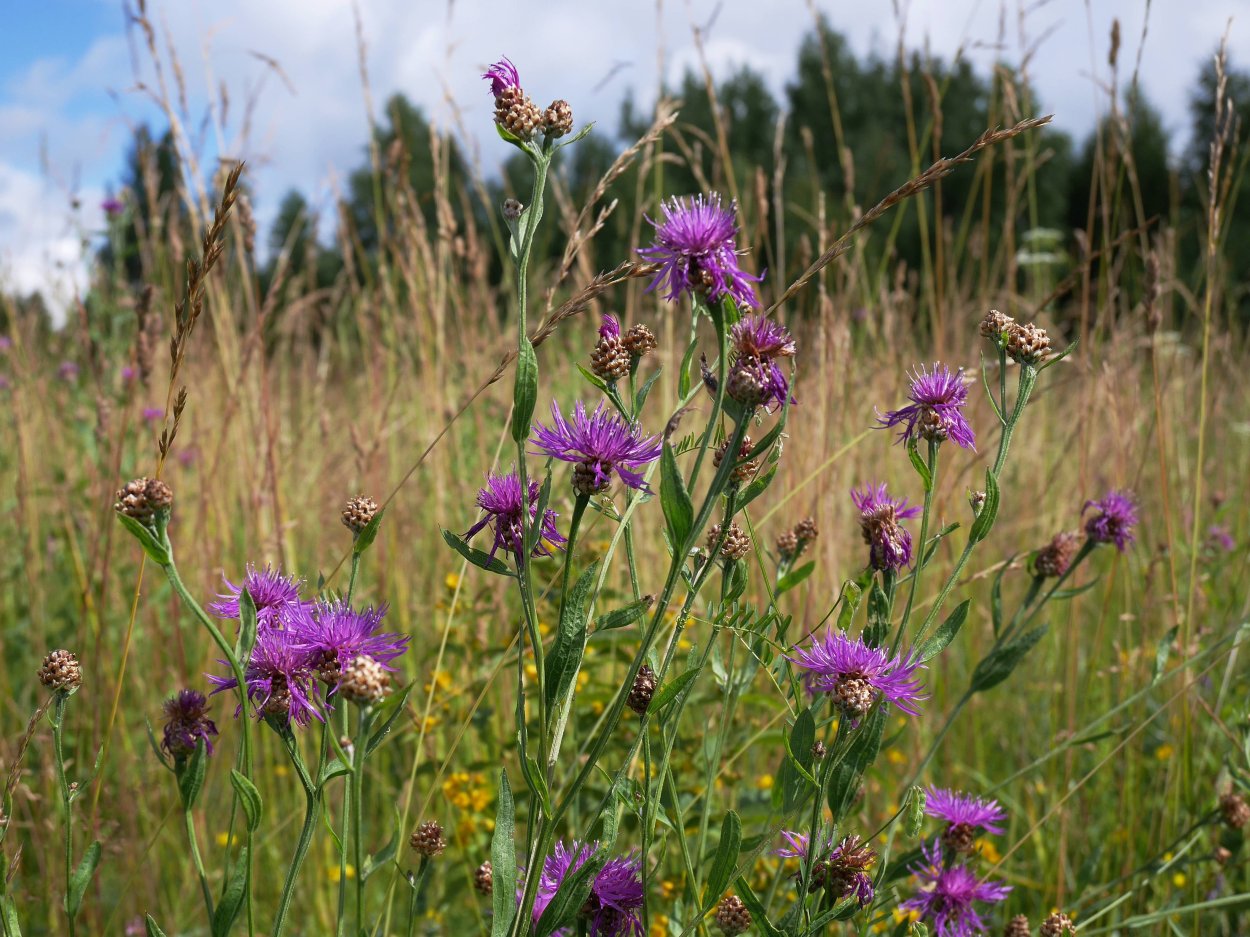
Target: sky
(76,79)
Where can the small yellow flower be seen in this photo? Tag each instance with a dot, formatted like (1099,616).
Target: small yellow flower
(281,770)
(430,722)
(531,672)
(765,782)
(597,707)
(895,757)
(544,629)
(224,839)
(1164,752)
(901,916)
(989,852)
(451,581)
(659,925)
(335,874)
(668,889)
(683,644)
(1179,880)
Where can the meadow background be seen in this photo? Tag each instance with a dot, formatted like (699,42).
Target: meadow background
(353,355)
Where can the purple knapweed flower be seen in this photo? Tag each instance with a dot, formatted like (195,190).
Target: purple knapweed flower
(948,893)
(335,634)
(1219,536)
(935,413)
(502,76)
(1115,520)
(755,378)
(5,343)
(186,715)
(879,515)
(855,675)
(152,414)
(280,677)
(501,502)
(695,248)
(128,374)
(67,371)
(610,327)
(616,894)
(965,815)
(275,596)
(842,869)
(598,444)
(112,206)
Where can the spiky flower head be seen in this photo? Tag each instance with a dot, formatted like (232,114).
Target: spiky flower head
(558,118)
(889,543)
(276,597)
(642,690)
(938,398)
(841,869)
(335,634)
(1027,343)
(599,444)
(502,76)
(144,499)
(732,916)
(61,672)
(949,894)
(640,340)
(427,839)
(1056,925)
(616,894)
(1234,810)
(186,723)
(755,379)
(964,816)
(856,675)
(281,680)
(1055,559)
(696,250)
(500,501)
(1114,520)
(358,513)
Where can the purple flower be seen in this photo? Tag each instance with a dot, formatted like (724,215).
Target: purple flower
(67,371)
(599,444)
(112,206)
(275,596)
(335,634)
(936,410)
(856,674)
(610,327)
(964,816)
(128,374)
(280,679)
(501,502)
(948,893)
(616,893)
(5,343)
(152,414)
(879,515)
(502,76)
(1218,535)
(1115,520)
(696,251)
(755,379)
(842,869)
(186,715)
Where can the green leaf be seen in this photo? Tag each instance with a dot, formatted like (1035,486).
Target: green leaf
(683,376)
(395,705)
(799,767)
(845,776)
(918,463)
(757,486)
(675,500)
(565,657)
(365,538)
(477,557)
(851,596)
(335,768)
(878,616)
(945,633)
(594,379)
(80,878)
(570,897)
(503,861)
(996,596)
(915,810)
(525,393)
(669,692)
(153,929)
(794,577)
(759,914)
(191,777)
(151,546)
(249,796)
(12,927)
(232,898)
(1000,662)
(1059,356)
(725,859)
(624,616)
(1163,650)
(537,782)
(376,861)
(989,510)
(640,398)
(247,626)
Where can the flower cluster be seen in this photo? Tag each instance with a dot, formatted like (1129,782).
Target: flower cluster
(755,379)
(841,869)
(502,510)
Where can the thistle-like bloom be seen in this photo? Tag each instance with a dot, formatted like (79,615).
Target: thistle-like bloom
(964,816)
(335,634)
(502,75)
(856,675)
(842,869)
(1115,520)
(186,715)
(500,501)
(275,596)
(598,444)
(616,893)
(948,894)
(695,248)
(755,379)
(280,678)
(889,543)
(935,413)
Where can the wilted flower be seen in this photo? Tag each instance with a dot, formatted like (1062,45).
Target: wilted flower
(280,679)
(599,444)
(948,895)
(500,500)
(889,543)
(1114,521)
(695,248)
(964,816)
(755,379)
(186,722)
(275,596)
(856,674)
(936,409)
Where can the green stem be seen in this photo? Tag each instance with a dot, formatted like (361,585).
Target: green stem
(58,720)
(564,706)
(297,860)
(359,751)
(722,368)
(924,540)
(199,863)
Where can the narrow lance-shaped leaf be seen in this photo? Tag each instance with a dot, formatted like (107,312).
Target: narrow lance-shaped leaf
(503,861)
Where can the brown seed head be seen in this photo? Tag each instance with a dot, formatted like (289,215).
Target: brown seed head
(743,470)
(358,513)
(1026,343)
(61,672)
(640,694)
(1018,926)
(1233,810)
(854,696)
(639,340)
(558,118)
(427,839)
(787,544)
(995,324)
(737,544)
(732,916)
(806,530)
(364,681)
(609,359)
(143,498)
(959,837)
(818,750)
(586,480)
(516,113)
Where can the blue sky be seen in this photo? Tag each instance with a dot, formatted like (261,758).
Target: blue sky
(70,96)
